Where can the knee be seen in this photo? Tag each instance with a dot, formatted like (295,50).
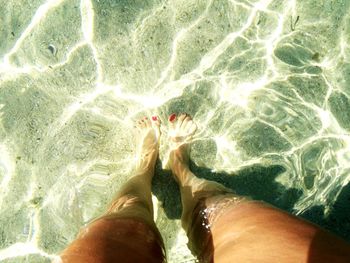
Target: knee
(125,201)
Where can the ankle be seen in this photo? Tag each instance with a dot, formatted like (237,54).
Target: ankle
(182,174)
(179,157)
(178,161)
(147,161)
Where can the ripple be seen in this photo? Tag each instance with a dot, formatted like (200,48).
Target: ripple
(267,82)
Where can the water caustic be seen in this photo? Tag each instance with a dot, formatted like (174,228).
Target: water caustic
(216,208)
(267,82)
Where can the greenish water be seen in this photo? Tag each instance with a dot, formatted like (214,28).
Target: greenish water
(268,83)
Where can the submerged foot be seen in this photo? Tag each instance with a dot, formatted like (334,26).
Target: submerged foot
(149,134)
(181,131)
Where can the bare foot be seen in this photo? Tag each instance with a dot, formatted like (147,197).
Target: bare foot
(149,135)
(181,131)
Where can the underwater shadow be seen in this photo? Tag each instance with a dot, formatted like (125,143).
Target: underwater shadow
(256,181)
(338,220)
(165,188)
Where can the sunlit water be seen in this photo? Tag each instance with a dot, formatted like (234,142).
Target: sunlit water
(268,83)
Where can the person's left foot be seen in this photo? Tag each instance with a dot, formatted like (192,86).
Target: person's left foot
(149,133)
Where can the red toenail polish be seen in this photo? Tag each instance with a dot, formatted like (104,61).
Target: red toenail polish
(154,118)
(172,117)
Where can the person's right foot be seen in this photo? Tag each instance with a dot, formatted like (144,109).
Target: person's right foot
(181,131)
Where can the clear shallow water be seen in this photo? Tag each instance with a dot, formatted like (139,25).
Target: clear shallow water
(267,82)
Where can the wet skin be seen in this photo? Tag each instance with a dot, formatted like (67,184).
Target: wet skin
(221,226)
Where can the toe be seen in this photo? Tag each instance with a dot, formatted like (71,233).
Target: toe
(155,121)
(172,118)
(142,123)
(180,120)
(148,123)
(192,128)
(156,126)
(136,127)
(186,120)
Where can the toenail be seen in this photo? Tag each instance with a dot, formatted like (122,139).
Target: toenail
(172,117)
(154,118)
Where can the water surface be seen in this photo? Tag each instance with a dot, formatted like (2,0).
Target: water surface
(268,83)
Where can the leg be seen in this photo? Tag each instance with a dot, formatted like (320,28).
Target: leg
(127,232)
(224,227)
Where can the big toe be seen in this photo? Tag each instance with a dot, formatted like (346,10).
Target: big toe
(156,125)
(155,121)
